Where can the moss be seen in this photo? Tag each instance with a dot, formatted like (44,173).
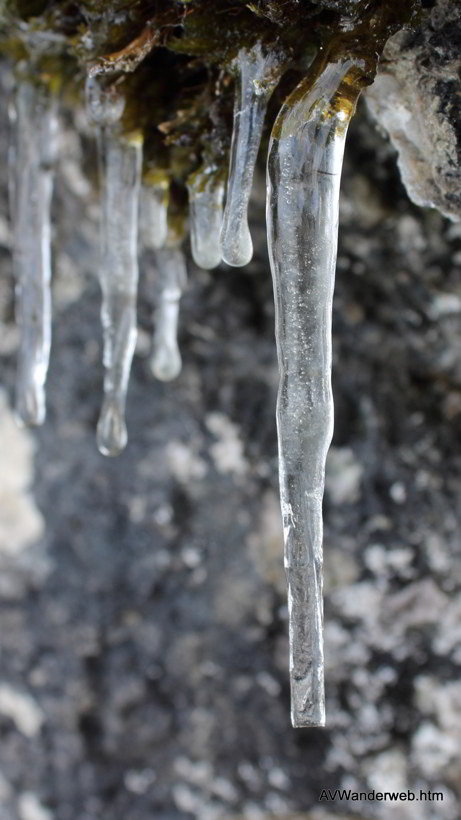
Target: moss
(174,59)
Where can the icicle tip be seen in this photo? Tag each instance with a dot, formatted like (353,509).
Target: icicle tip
(166,364)
(112,435)
(30,408)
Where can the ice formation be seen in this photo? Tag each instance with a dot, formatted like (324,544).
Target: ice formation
(166,360)
(206,194)
(179,117)
(153,211)
(31,160)
(303,179)
(120,165)
(258,72)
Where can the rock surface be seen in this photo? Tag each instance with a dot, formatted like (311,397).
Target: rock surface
(415,97)
(143,616)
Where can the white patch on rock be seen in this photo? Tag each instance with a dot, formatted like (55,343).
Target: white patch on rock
(227,452)
(433,750)
(448,635)
(184,463)
(444,304)
(441,702)
(266,543)
(343,476)
(388,771)
(22,709)
(30,808)
(384,618)
(21,523)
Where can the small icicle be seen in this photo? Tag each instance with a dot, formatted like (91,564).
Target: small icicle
(104,103)
(257,75)
(121,161)
(303,180)
(206,195)
(32,156)
(166,360)
(154,209)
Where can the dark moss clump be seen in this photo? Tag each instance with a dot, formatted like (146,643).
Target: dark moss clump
(173,59)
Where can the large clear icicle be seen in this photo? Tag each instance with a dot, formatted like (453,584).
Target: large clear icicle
(32,157)
(153,210)
(120,167)
(166,360)
(304,169)
(206,196)
(258,72)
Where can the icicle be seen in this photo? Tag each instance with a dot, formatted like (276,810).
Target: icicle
(119,281)
(166,360)
(32,155)
(104,103)
(206,195)
(258,74)
(153,210)
(304,167)
(121,161)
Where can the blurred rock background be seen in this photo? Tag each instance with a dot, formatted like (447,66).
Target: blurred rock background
(144,663)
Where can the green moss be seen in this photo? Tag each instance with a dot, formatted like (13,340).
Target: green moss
(174,59)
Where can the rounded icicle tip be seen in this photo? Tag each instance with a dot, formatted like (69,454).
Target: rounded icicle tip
(166,363)
(206,197)
(112,436)
(236,242)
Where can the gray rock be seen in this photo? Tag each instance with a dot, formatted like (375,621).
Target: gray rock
(415,97)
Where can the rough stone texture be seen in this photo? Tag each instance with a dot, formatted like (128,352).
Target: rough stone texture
(143,616)
(416,98)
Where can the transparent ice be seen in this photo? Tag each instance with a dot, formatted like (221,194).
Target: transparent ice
(206,196)
(303,180)
(31,158)
(153,212)
(258,72)
(120,159)
(166,360)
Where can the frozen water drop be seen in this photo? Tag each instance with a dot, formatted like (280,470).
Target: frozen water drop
(121,160)
(166,360)
(32,156)
(154,210)
(111,434)
(258,72)
(303,180)
(206,195)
